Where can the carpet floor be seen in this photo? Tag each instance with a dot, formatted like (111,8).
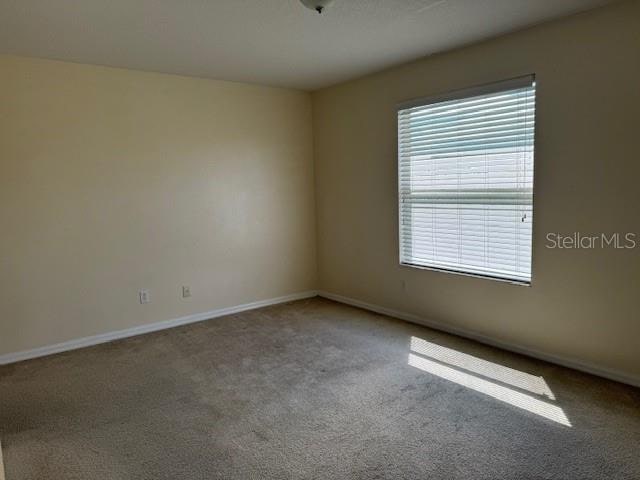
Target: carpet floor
(311,390)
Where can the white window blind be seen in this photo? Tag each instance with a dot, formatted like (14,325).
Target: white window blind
(465,170)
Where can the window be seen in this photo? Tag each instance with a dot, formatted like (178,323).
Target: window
(465,171)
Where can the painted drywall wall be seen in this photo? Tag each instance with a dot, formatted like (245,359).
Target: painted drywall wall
(583,304)
(114,180)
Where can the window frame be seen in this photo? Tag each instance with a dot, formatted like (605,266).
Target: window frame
(459,94)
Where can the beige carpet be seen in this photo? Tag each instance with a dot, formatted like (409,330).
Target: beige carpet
(311,390)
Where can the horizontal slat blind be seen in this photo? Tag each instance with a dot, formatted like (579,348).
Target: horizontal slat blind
(465,168)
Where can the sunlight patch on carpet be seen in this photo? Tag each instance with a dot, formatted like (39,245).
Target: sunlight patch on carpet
(477,374)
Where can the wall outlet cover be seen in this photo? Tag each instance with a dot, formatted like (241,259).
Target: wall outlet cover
(144,296)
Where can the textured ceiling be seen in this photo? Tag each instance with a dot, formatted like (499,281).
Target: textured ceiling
(272,42)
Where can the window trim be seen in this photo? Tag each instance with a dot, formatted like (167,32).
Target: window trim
(484,89)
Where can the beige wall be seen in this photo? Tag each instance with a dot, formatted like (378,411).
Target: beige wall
(114,180)
(583,305)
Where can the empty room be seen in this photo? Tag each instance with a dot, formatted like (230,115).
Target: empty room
(319,239)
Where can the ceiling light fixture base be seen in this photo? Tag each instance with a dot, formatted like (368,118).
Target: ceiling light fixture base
(317,5)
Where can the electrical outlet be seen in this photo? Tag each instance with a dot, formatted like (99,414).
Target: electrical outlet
(186,291)
(144,296)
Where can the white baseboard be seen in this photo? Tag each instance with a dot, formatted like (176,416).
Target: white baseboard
(198,317)
(148,328)
(559,360)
